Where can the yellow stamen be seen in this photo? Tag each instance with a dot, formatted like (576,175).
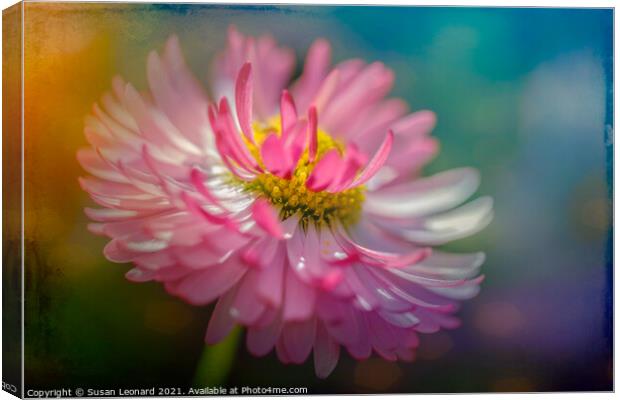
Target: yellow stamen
(291,197)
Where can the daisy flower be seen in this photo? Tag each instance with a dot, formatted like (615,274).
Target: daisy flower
(298,207)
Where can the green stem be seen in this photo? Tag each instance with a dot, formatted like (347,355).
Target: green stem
(217,360)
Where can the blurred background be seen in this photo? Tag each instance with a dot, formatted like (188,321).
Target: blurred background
(524,95)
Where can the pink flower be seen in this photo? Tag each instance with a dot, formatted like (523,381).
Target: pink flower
(295,209)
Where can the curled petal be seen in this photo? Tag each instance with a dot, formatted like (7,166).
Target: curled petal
(381,258)
(197,180)
(376,162)
(238,149)
(194,207)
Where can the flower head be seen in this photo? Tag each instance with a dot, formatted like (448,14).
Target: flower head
(295,209)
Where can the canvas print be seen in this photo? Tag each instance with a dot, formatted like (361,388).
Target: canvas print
(206,199)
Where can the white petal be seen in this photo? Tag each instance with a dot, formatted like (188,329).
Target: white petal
(424,196)
(464,292)
(147,246)
(445,227)
(402,320)
(447,266)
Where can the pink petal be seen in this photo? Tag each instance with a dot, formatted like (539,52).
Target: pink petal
(315,69)
(382,258)
(412,153)
(260,341)
(223,148)
(267,218)
(313,140)
(331,280)
(262,252)
(139,275)
(376,162)
(151,128)
(221,322)
(299,299)
(326,352)
(177,93)
(383,338)
(198,256)
(366,88)
(172,273)
(323,173)
(281,352)
(304,255)
(271,67)
(110,215)
(349,71)
(304,252)
(103,188)
(195,208)
(243,100)
(353,160)
(376,119)
(229,131)
(246,308)
(317,60)
(348,328)
(288,113)
(95,165)
(361,348)
(179,73)
(96,228)
(206,285)
(416,124)
(295,143)
(298,338)
(197,178)
(326,91)
(270,283)
(275,156)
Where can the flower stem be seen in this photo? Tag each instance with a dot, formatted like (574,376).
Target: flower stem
(217,360)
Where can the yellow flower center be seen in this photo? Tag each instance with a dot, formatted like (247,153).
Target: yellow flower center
(291,197)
